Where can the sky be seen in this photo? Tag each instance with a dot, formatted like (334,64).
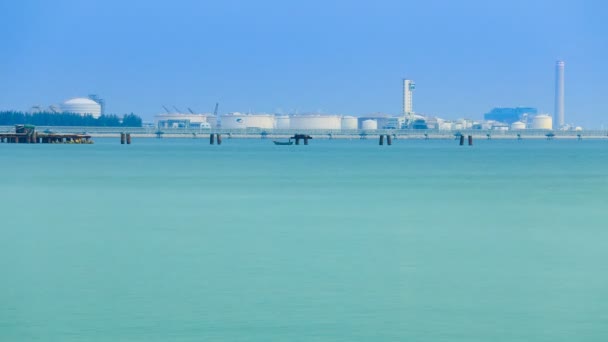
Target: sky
(278,56)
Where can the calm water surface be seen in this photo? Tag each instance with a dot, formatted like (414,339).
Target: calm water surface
(176,240)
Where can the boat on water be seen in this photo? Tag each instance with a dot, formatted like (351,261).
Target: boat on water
(283,142)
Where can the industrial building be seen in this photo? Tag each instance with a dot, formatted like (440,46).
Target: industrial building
(509,115)
(408,105)
(174,120)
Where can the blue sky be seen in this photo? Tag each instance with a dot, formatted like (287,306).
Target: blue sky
(344,57)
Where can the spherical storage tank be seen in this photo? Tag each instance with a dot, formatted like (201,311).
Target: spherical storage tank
(369,124)
(518,125)
(315,122)
(349,122)
(82,106)
(243,121)
(542,121)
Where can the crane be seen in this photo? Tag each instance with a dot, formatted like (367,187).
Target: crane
(191,111)
(217,118)
(167,110)
(177,109)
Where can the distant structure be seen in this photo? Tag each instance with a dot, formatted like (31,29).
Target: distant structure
(82,106)
(408,88)
(558,115)
(54,109)
(176,120)
(509,115)
(543,122)
(100,101)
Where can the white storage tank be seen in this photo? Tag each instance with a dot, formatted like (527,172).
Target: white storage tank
(542,121)
(369,124)
(518,125)
(82,106)
(315,122)
(244,121)
(281,122)
(349,123)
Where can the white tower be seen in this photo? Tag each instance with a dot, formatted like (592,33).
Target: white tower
(408,87)
(558,115)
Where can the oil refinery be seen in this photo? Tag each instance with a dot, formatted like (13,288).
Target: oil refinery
(497,119)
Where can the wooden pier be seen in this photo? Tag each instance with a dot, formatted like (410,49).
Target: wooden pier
(26,134)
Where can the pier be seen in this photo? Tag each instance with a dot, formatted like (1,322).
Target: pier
(26,134)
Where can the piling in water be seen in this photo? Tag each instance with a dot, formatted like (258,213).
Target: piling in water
(461,140)
(470,140)
(389,140)
(211,138)
(122,138)
(219,139)
(381,141)
(128,138)
(304,137)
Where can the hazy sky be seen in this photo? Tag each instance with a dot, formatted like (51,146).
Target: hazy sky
(344,57)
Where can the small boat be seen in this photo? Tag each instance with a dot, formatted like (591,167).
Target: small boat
(283,142)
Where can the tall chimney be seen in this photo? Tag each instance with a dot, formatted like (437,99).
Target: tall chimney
(558,115)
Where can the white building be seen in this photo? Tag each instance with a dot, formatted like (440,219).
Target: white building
(408,88)
(183,121)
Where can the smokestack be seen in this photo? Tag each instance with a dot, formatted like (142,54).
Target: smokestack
(558,115)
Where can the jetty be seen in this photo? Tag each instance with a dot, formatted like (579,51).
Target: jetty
(26,134)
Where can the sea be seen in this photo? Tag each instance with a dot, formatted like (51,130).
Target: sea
(340,240)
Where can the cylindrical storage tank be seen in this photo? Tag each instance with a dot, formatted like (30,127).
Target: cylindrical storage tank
(244,121)
(82,106)
(349,123)
(542,121)
(518,125)
(369,124)
(314,122)
(281,122)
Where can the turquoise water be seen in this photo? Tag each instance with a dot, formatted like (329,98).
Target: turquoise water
(176,240)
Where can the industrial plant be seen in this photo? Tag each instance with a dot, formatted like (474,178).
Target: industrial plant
(498,119)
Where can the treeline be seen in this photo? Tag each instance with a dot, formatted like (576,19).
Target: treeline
(68,119)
